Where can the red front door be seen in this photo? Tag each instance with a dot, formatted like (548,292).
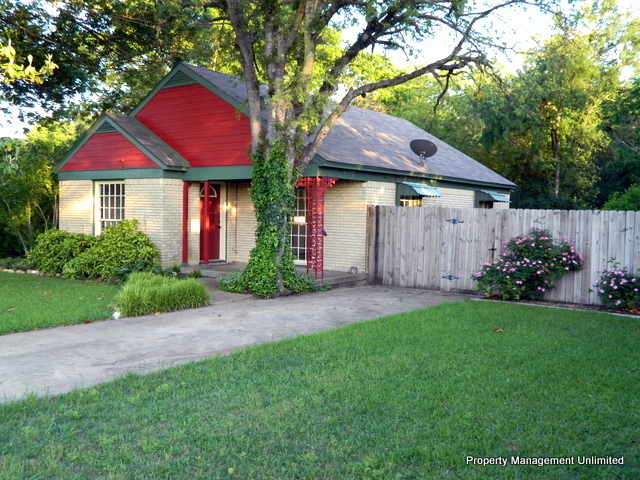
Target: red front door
(210,226)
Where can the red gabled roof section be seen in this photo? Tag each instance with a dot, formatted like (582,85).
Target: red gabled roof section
(107,151)
(204,129)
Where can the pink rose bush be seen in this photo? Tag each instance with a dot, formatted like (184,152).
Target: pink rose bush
(618,288)
(529,267)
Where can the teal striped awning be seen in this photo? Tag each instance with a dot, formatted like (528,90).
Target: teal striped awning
(424,190)
(498,197)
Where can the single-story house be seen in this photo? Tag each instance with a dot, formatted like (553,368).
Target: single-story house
(179,163)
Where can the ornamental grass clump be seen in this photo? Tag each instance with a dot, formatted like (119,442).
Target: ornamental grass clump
(529,267)
(146,292)
(618,288)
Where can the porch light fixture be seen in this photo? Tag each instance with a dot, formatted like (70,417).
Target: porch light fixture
(300,220)
(228,207)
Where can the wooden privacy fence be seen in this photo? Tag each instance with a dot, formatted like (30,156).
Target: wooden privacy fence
(440,248)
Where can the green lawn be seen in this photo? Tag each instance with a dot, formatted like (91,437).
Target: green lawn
(409,396)
(29,302)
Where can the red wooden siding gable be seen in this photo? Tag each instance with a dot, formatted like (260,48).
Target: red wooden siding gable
(107,151)
(199,125)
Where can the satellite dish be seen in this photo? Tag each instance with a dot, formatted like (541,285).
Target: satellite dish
(423,148)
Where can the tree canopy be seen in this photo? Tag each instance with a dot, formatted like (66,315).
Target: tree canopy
(10,71)
(627,200)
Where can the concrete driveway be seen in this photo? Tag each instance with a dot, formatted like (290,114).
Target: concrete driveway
(54,361)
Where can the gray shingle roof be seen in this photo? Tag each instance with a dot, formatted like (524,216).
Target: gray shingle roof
(371,139)
(232,86)
(147,139)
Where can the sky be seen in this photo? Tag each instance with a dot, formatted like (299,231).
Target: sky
(518,30)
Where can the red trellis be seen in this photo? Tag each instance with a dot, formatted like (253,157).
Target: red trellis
(315,187)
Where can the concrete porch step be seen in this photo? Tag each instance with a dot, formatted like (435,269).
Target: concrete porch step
(341,279)
(331,278)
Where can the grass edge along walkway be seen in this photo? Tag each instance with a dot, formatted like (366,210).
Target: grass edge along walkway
(406,396)
(32,302)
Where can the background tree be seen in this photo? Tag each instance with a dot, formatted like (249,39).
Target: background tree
(620,168)
(28,193)
(109,54)
(546,127)
(627,200)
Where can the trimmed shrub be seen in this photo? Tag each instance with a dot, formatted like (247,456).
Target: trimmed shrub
(619,289)
(529,267)
(146,292)
(55,248)
(118,246)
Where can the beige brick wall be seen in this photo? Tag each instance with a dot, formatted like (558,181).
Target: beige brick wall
(157,204)
(381,193)
(452,197)
(345,221)
(241,222)
(76,206)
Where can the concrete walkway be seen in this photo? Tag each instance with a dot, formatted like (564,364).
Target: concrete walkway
(54,361)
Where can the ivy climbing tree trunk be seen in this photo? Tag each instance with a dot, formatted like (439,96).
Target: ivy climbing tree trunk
(270,269)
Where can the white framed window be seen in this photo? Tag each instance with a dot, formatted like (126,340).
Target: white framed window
(413,201)
(299,227)
(109,204)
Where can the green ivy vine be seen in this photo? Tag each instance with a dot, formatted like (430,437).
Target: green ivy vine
(270,270)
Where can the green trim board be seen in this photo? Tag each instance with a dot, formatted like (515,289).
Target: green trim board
(365,173)
(237,172)
(244,173)
(240,172)
(119,174)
